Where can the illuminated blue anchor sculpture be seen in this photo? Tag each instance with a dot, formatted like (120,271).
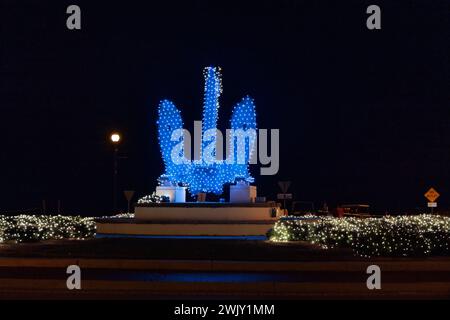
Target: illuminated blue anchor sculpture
(202,175)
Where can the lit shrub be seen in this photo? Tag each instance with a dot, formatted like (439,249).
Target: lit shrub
(386,236)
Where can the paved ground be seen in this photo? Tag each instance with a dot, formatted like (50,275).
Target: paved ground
(50,283)
(217,269)
(197,249)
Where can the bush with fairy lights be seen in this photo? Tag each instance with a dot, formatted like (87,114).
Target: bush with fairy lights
(29,228)
(386,236)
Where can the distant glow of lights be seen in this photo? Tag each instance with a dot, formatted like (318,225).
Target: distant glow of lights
(115,137)
(386,236)
(204,175)
(153,198)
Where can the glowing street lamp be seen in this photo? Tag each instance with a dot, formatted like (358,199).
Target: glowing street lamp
(115,139)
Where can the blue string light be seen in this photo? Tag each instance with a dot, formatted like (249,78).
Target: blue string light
(205,175)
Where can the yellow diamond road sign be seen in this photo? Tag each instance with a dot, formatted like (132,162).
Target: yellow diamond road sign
(432,195)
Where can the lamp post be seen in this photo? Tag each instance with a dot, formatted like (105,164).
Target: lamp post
(115,139)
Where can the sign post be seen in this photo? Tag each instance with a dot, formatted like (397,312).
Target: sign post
(284,186)
(129,195)
(432,196)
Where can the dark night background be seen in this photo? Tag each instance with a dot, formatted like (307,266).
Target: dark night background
(363,115)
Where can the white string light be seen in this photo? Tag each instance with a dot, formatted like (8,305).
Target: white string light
(401,236)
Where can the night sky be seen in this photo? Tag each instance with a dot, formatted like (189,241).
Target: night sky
(364,116)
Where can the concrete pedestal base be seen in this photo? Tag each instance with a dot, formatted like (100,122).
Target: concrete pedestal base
(242,193)
(175,193)
(131,227)
(195,219)
(207,211)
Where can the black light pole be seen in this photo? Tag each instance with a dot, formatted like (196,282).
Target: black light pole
(115,139)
